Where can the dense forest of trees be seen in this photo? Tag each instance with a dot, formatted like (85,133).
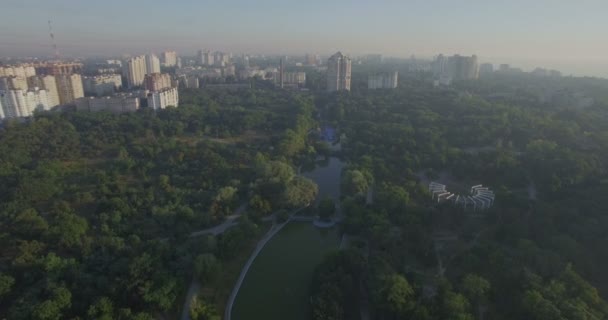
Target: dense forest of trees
(534,256)
(96,209)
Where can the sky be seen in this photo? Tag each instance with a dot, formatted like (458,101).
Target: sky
(570,35)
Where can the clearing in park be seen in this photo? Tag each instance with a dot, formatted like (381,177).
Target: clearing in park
(277,284)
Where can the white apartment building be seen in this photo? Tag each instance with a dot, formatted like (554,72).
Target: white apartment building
(152,64)
(48,83)
(69,87)
(169,58)
(114,104)
(102,85)
(383,81)
(22,103)
(338,72)
(162,99)
(135,70)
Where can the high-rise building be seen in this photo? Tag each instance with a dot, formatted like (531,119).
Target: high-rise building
(48,83)
(220,59)
(463,68)
(486,69)
(338,72)
(13,83)
(281,74)
(152,64)
(229,71)
(310,59)
(22,71)
(169,58)
(69,88)
(55,69)
(23,103)
(383,81)
(162,99)
(135,70)
(439,66)
(157,81)
(102,85)
(294,78)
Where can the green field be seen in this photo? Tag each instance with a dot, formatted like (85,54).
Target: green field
(277,284)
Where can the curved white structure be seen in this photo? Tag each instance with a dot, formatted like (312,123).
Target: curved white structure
(481,197)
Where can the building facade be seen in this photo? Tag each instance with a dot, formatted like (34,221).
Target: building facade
(157,81)
(169,58)
(69,88)
(152,64)
(22,71)
(48,83)
(102,85)
(135,71)
(338,73)
(383,81)
(56,69)
(162,99)
(114,104)
(23,103)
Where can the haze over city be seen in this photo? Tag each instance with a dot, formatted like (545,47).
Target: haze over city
(563,35)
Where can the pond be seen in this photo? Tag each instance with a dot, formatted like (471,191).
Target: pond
(326,175)
(277,284)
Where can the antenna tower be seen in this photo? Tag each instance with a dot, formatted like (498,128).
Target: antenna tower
(56,51)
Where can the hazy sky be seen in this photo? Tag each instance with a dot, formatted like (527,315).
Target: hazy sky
(571,35)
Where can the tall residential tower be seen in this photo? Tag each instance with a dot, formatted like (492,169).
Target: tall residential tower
(338,72)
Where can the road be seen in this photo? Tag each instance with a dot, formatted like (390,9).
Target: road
(221,228)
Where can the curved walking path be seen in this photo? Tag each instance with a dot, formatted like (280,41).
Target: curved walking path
(274,230)
(221,228)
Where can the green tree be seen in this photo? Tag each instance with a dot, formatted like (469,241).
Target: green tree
(200,310)
(395,295)
(206,267)
(6,283)
(327,208)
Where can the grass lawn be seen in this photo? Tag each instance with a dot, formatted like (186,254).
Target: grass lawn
(277,284)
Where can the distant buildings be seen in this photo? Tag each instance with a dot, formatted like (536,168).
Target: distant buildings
(456,67)
(152,64)
(374,58)
(48,83)
(383,81)
(463,68)
(69,87)
(169,58)
(311,59)
(205,58)
(21,71)
(162,99)
(13,83)
(229,71)
(486,69)
(338,73)
(22,103)
(221,59)
(157,81)
(541,72)
(102,85)
(127,102)
(295,78)
(55,69)
(135,71)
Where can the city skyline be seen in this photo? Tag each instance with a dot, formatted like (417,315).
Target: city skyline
(563,36)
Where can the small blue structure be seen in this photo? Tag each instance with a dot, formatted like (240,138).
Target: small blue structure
(328,134)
